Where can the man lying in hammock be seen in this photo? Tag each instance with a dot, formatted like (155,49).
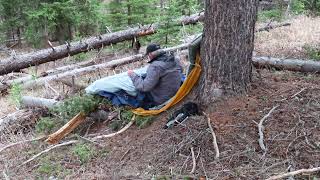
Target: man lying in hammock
(162,79)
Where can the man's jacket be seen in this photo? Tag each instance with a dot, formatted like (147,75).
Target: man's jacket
(163,78)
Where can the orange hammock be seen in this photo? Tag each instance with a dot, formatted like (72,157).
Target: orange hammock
(185,88)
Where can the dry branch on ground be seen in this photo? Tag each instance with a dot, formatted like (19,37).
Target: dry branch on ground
(66,129)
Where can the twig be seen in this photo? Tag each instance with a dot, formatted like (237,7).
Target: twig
(270,167)
(193,161)
(89,140)
(21,142)
(204,170)
(280,176)
(260,128)
(215,145)
(113,134)
(52,89)
(124,155)
(47,150)
(298,92)
(50,44)
(6,177)
(184,163)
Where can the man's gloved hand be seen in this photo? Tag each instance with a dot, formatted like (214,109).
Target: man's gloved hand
(130,72)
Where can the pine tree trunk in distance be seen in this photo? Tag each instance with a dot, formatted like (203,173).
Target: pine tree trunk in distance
(227,48)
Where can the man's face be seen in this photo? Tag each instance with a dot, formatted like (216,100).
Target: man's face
(149,57)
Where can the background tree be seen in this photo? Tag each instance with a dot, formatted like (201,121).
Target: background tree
(227,48)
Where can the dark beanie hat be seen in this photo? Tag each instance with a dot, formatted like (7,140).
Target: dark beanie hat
(152,47)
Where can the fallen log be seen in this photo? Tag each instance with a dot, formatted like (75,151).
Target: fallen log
(269,27)
(85,70)
(76,72)
(20,119)
(259,62)
(33,102)
(7,84)
(16,63)
(192,19)
(287,64)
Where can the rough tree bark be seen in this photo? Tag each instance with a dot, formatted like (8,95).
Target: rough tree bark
(227,48)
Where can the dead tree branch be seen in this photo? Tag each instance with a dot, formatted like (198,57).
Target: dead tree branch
(193,161)
(47,150)
(215,145)
(269,27)
(21,142)
(116,133)
(260,128)
(66,129)
(293,173)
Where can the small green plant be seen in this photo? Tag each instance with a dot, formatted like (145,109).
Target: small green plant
(84,152)
(33,72)
(312,52)
(274,14)
(15,94)
(264,98)
(81,57)
(48,168)
(126,115)
(162,178)
(144,121)
(71,107)
(45,125)
(297,7)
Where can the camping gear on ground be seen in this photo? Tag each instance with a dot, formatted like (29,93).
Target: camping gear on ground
(180,115)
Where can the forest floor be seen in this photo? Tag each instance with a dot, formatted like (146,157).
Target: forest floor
(291,136)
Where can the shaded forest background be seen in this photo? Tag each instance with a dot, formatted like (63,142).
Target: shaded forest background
(35,22)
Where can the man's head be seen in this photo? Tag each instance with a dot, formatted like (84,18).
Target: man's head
(152,47)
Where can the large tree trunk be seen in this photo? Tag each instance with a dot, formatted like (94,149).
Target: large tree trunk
(227,48)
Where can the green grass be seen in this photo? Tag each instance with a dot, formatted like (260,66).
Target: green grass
(267,15)
(48,167)
(45,125)
(313,52)
(81,56)
(83,152)
(15,94)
